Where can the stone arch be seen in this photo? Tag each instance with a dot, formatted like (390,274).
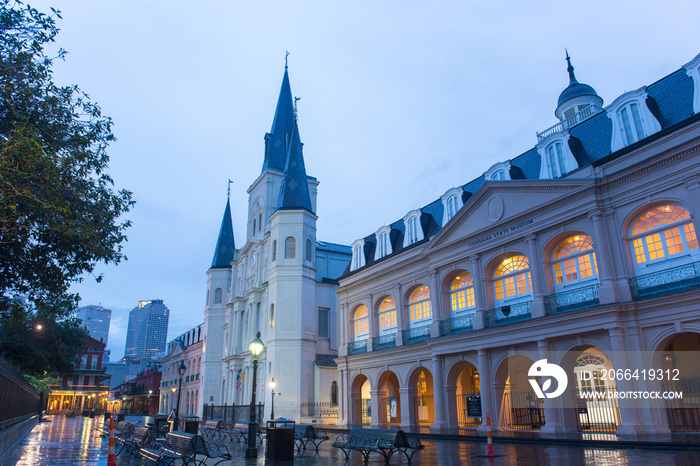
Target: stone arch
(360,406)
(420,396)
(389,409)
(551,242)
(582,364)
(518,406)
(462,381)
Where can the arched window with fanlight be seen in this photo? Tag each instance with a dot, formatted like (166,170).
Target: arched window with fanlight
(462,294)
(387,316)
(419,311)
(360,321)
(574,262)
(663,237)
(512,280)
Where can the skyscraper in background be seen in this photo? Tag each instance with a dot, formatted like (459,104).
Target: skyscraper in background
(96,319)
(148,330)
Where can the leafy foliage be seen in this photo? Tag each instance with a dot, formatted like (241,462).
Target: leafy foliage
(59,211)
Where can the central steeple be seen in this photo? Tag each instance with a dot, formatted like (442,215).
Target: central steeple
(278,139)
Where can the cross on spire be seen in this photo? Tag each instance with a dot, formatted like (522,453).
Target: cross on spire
(228,193)
(285,59)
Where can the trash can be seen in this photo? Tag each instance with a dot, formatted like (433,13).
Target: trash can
(86,412)
(191,424)
(107,416)
(121,415)
(280,440)
(161,423)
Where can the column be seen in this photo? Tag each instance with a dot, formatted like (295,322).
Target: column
(343,397)
(438,394)
(372,316)
(552,411)
(485,387)
(435,303)
(479,295)
(408,413)
(606,291)
(400,317)
(628,408)
(537,308)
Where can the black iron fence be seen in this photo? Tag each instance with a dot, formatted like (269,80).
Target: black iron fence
(683,413)
(18,399)
(232,413)
(526,410)
(319,409)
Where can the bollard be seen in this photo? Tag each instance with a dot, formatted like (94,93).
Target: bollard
(111,460)
(489,450)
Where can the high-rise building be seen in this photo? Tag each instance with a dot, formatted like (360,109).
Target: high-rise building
(96,319)
(148,330)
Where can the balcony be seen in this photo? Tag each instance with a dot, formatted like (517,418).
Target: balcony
(357,347)
(457,324)
(383,342)
(566,124)
(508,314)
(416,335)
(572,300)
(666,282)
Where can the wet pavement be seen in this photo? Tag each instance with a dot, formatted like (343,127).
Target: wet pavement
(75,441)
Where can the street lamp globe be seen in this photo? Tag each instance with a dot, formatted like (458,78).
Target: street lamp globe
(182,369)
(256,346)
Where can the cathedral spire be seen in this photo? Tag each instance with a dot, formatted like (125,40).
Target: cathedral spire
(294,192)
(225,245)
(277,140)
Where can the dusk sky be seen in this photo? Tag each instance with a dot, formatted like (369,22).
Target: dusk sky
(400,101)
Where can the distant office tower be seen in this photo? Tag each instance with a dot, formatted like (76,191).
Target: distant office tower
(96,319)
(148,330)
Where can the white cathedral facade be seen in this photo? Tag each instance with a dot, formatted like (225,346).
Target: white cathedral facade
(280,283)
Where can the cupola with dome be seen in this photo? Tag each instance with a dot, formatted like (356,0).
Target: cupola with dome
(578,101)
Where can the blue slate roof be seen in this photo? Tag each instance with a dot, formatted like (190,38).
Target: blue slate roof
(670,100)
(294,192)
(225,245)
(277,140)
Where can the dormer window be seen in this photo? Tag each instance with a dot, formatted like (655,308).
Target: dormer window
(631,118)
(414,232)
(358,254)
(383,244)
(557,159)
(498,172)
(693,70)
(451,203)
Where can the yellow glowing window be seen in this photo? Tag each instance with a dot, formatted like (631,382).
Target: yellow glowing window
(499,289)
(655,247)
(361,321)
(558,274)
(584,264)
(574,259)
(419,304)
(673,240)
(387,314)
(510,286)
(658,216)
(570,270)
(690,237)
(639,251)
(512,264)
(462,292)
(522,285)
(574,244)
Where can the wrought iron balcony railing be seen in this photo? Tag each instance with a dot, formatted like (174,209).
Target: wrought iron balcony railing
(572,300)
(508,314)
(383,342)
(416,335)
(457,324)
(666,282)
(357,347)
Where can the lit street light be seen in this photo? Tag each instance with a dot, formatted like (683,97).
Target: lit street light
(256,348)
(273,385)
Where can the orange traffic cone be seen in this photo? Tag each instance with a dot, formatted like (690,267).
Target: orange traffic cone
(111,459)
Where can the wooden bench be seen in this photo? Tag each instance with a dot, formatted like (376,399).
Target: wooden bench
(177,446)
(384,442)
(307,434)
(211,428)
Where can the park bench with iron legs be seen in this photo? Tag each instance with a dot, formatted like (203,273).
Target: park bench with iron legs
(211,428)
(240,432)
(304,435)
(209,450)
(141,436)
(176,446)
(384,442)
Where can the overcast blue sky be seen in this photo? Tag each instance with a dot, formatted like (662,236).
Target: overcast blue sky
(400,101)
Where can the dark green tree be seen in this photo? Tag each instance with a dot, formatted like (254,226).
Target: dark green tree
(59,211)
